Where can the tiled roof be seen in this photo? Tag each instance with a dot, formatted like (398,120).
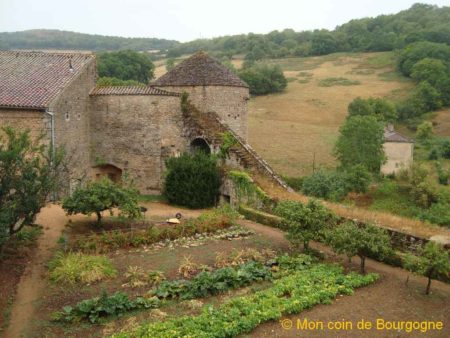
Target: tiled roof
(393,136)
(35,79)
(131,90)
(200,70)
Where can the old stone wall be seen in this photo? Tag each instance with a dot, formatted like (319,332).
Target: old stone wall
(136,133)
(71,111)
(230,103)
(399,156)
(37,122)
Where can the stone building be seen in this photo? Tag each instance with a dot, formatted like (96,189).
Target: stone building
(110,131)
(398,150)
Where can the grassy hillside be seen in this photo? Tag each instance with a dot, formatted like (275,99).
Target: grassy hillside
(56,39)
(293,129)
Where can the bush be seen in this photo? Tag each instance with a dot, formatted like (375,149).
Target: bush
(358,178)
(192,180)
(335,185)
(74,268)
(445,149)
(264,79)
(424,131)
(438,213)
(330,185)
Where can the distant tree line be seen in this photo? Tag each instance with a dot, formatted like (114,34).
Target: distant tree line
(421,22)
(56,39)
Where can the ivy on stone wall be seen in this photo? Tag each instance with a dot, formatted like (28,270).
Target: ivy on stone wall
(228,141)
(246,189)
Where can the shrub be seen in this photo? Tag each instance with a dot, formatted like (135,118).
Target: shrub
(73,268)
(264,79)
(331,185)
(304,222)
(294,182)
(358,178)
(335,185)
(437,213)
(103,195)
(445,149)
(363,241)
(192,180)
(424,131)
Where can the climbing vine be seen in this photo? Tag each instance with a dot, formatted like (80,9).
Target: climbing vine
(228,141)
(246,189)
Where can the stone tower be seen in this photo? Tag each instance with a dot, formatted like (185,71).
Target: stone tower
(212,88)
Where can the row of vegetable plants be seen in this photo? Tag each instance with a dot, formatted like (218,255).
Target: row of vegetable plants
(292,293)
(105,242)
(204,284)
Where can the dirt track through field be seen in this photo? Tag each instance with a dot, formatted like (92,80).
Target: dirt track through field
(53,219)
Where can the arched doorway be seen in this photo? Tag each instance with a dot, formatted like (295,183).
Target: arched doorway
(199,144)
(108,170)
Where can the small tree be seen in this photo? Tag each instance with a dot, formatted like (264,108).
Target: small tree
(432,262)
(103,195)
(361,142)
(363,241)
(28,175)
(192,180)
(304,222)
(170,63)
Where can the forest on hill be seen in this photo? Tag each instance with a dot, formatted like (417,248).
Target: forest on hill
(64,40)
(421,22)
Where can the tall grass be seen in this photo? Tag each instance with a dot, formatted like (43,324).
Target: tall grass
(75,268)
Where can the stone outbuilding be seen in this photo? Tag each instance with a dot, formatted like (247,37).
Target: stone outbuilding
(398,150)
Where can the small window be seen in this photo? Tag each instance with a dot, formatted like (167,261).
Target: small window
(67,116)
(79,116)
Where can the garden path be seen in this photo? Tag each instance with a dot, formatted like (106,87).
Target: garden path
(33,280)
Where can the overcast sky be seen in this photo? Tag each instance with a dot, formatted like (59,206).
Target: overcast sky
(186,20)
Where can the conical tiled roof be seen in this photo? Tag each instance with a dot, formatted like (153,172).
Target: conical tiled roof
(200,70)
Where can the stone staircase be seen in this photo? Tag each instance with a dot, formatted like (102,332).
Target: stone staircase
(210,127)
